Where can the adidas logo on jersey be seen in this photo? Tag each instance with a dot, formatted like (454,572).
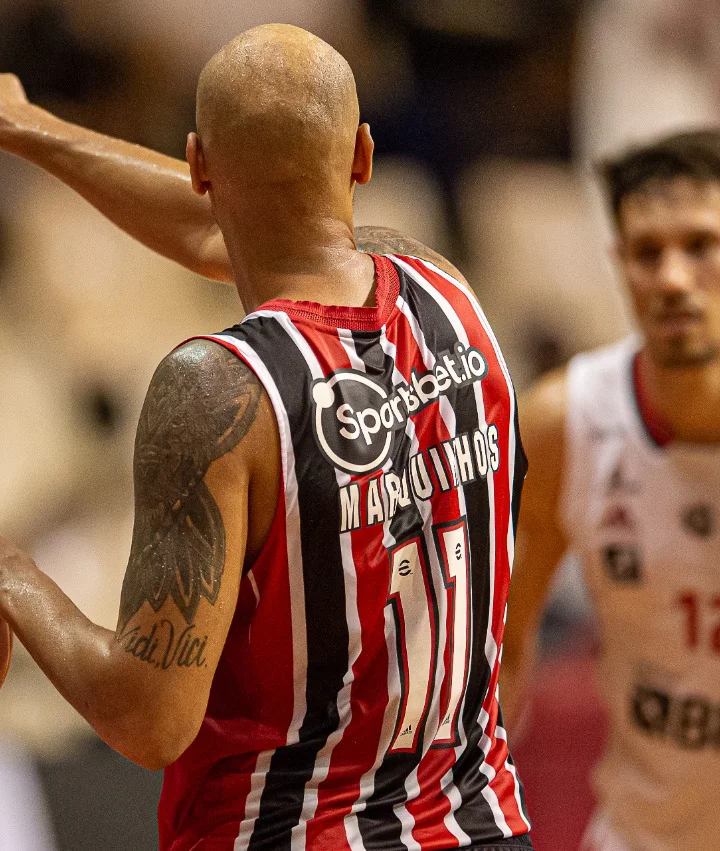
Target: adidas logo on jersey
(354,416)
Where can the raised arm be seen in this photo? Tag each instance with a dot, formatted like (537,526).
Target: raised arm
(203,435)
(146,194)
(541,541)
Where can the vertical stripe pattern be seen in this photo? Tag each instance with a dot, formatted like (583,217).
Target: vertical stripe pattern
(378,726)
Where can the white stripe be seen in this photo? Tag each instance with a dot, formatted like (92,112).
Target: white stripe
(295,576)
(412,788)
(252,802)
(292,521)
(511,451)
(348,343)
(253,585)
(459,328)
(461,333)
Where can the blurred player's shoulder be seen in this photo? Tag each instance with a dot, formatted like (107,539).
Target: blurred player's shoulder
(543,409)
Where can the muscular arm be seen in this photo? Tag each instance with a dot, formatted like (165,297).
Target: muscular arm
(144,688)
(541,541)
(146,194)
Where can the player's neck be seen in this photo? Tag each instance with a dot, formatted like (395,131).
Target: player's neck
(687,400)
(275,254)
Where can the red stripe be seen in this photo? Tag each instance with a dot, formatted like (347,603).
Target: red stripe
(657,427)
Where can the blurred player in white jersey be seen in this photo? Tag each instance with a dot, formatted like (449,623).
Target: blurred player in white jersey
(624,450)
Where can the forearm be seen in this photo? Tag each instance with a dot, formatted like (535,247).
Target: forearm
(147,194)
(83,661)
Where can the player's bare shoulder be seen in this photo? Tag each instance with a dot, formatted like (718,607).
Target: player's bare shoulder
(202,403)
(543,409)
(376,239)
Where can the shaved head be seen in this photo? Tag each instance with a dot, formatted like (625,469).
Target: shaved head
(277,105)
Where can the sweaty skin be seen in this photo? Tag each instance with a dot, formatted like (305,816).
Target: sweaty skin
(272,211)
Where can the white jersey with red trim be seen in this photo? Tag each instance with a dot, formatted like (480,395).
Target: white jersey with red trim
(645,520)
(355,706)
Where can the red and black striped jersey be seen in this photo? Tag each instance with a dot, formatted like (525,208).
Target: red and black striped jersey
(355,705)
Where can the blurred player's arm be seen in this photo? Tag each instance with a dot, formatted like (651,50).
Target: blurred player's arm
(146,194)
(202,441)
(541,541)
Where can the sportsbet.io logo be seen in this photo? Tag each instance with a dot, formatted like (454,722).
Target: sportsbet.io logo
(355,417)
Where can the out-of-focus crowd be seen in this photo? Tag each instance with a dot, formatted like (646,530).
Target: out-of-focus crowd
(486,115)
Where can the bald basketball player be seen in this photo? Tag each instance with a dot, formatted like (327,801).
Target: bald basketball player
(310,626)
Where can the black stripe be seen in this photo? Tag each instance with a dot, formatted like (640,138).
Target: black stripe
(521,468)
(474,816)
(326,621)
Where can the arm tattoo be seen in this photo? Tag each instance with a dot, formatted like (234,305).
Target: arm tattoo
(202,401)
(165,647)
(381,240)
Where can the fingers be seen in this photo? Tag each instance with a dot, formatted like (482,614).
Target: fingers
(11,89)
(17,114)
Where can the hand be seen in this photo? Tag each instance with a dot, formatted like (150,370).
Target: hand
(15,110)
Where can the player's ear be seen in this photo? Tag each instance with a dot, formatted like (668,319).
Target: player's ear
(363,159)
(196,160)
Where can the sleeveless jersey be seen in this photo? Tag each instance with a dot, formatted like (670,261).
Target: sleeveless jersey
(355,705)
(645,520)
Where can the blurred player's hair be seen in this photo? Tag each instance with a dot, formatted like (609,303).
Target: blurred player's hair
(694,154)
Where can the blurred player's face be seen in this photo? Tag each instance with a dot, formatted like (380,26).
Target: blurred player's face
(669,246)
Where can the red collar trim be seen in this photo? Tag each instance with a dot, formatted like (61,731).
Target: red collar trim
(352,318)
(657,428)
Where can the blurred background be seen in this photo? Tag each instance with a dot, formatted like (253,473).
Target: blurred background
(487,116)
